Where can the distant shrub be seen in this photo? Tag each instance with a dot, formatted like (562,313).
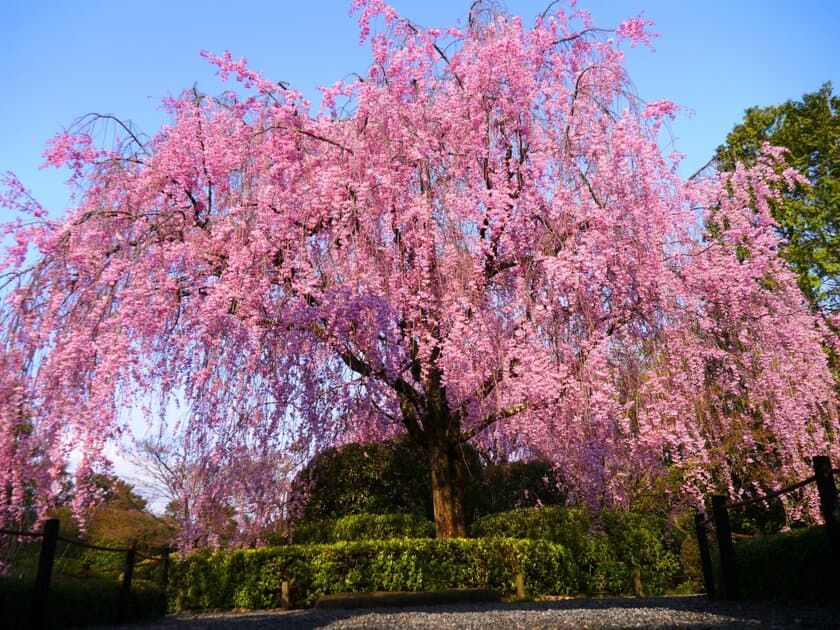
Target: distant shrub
(371,478)
(383,527)
(511,485)
(759,518)
(350,479)
(567,526)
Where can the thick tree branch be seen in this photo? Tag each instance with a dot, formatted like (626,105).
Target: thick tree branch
(508,412)
(399,385)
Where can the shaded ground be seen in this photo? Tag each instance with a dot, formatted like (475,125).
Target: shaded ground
(692,612)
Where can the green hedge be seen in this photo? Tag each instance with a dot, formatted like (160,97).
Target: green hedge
(605,555)
(252,578)
(78,602)
(364,527)
(567,526)
(792,566)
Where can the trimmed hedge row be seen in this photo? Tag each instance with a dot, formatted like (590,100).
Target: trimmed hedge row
(79,602)
(559,551)
(364,527)
(252,578)
(607,555)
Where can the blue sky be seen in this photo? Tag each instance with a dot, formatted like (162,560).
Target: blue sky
(61,60)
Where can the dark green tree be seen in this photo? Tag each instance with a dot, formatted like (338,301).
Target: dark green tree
(391,478)
(809,215)
(366,478)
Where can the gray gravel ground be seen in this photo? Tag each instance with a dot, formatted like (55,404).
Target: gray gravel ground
(693,612)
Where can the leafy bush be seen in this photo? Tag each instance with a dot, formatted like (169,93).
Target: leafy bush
(796,565)
(377,479)
(314,533)
(364,527)
(349,479)
(79,601)
(253,578)
(567,526)
(644,541)
(606,555)
(511,485)
(557,550)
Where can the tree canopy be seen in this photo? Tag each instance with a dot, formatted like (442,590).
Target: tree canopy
(478,241)
(808,214)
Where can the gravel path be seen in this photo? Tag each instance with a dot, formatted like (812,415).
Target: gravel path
(692,612)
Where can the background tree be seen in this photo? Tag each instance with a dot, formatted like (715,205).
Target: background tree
(119,519)
(478,242)
(510,485)
(216,496)
(808,215)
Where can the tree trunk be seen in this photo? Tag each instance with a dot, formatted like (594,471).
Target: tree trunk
(447,489)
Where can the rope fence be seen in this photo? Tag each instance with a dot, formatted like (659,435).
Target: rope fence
(709,520)
(46,561)
(14,532)
(823,477)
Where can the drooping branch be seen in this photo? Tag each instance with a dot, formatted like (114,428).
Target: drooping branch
(440,52)
(487,386)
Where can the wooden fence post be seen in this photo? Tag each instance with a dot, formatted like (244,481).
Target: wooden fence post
(285,600)
(828,502)
(705,556)
(520,585)
(164,571)
(125,591)
(725,548)
(46,558)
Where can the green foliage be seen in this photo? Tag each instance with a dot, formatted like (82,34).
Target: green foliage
(606,555)
(644,541)
(559,551)
(76,602)
(394,477)
(566,526)
(365,479)
(795,565)
(116,523)
(376,479)
(252,578)
(808,217)
(511,485)
(364,527)
(759,518)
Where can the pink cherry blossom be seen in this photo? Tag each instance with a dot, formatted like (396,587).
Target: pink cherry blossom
(491,248)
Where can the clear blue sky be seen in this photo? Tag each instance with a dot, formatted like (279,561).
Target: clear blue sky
(62,59)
